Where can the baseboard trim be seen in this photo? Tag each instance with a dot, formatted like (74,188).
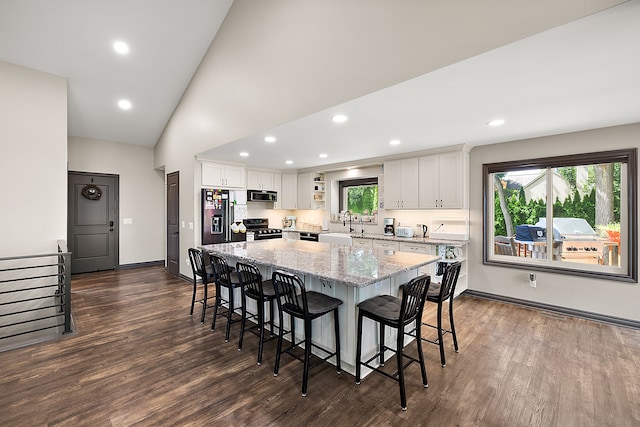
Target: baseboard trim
(141,264)
(617,321)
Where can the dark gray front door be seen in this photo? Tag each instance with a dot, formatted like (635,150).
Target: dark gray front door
(93,221)
(173,223)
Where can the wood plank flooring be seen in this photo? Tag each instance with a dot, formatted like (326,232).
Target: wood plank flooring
(138,359)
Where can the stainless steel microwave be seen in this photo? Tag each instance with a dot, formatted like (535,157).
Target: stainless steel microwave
(261,196)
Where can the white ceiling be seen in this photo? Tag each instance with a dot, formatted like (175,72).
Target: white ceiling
(73,39)
(582,75)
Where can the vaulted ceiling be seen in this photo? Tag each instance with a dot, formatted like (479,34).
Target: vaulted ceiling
(552,68)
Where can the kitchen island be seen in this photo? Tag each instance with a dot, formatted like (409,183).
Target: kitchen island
(349,273)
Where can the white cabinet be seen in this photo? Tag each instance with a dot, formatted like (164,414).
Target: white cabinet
(277,187)
(401,184)
(441,181)
(386,244)
(311,191)
(289,194)
(418,248)
(361,243)
(290,235)
(260,180)
(222,175)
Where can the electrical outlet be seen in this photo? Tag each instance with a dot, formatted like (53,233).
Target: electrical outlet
(532,280)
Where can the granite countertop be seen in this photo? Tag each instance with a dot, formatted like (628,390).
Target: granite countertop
(415,239)
(358,267)
(377,236)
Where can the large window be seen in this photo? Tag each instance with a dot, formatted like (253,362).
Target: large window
(571,214)
(360,197)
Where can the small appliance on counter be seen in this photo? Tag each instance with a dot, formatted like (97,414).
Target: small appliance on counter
(389,226)
(289,222)
(404,232)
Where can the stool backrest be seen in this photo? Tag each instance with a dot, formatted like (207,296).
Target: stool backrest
(197,264)
(449,280)
(250,278)
(290,293)
(414,294)
(221,270)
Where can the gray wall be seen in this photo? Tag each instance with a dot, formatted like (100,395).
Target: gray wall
(593,295)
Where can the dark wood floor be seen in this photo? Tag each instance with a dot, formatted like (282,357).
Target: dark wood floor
(138,358)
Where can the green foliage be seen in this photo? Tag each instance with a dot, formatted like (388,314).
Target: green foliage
(523,212)
(362,198)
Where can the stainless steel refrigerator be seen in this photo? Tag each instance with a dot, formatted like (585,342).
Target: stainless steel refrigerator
(217,216)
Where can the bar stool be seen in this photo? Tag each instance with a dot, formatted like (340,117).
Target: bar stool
(262,292)
(299,303)
(205,273)
(439,293)
(396,313)
(225,277)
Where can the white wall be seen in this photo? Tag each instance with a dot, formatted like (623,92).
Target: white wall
(593,295)
(276,61)
(141,193)
(33,160)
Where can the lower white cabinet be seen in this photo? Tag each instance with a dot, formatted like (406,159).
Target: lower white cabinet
(386,244)
(362,243)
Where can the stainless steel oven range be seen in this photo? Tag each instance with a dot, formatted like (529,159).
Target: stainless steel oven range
(260,229)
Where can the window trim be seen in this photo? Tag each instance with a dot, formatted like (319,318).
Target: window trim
(628,156)
(355,182)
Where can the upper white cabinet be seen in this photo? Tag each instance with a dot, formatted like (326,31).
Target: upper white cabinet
(260,180)
(222,175)
(401,184)
(288,197)
(311,190)
(441,181)
(277,187)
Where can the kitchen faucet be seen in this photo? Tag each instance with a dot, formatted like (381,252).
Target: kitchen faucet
(344,220)
(361,225)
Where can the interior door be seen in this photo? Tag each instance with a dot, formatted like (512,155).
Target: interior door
(92,223)
(173,223)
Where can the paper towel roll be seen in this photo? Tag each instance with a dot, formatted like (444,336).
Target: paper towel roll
(325,224)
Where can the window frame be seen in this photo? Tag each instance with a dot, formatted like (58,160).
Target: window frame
(627,156)
(355,182)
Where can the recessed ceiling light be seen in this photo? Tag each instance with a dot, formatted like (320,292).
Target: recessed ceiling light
(394,142)
(339,118)
(323,156)
(125,104)
(269,139)
(244,154)
(496,122)
(121,47)
(289,162)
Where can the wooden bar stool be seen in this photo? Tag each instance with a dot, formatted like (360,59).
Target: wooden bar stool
(396,313)
(299,303)
(262,292)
